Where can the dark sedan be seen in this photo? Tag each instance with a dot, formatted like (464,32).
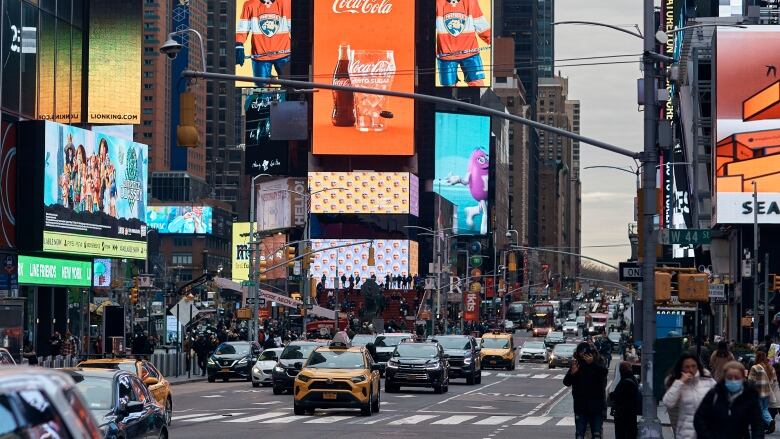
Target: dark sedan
(232,359)
(463,357)
(290,363)
(562,355)
(121,403)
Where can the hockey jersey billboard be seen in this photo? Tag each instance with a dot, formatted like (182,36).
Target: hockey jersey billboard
(262,38)
(464,38)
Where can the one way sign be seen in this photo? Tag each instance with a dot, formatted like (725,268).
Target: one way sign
(630,272)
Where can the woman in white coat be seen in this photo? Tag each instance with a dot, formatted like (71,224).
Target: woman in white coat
(691,381)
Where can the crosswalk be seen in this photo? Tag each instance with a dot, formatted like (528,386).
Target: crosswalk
(284,416)
(524,374)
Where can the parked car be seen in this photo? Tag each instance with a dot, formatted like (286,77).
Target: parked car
(37,402)
(262,371)
(5,358)
(232,359)
(562,355)
(121,402)
(464,357)
(417,365)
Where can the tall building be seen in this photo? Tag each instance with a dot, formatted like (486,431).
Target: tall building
(575,201)
(546,38)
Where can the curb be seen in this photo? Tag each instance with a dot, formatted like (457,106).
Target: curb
(187,381)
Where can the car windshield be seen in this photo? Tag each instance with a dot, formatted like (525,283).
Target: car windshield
(232,349)
(495,343)
(454,342)
(388,341)
(127,367)
(416,350)
(614,336)
(336,360)
(564,349)
(534,345)
(268,356)
(363,339)
(555,335)
(97,391)
(297,351)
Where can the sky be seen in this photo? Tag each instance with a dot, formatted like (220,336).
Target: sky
(609,112)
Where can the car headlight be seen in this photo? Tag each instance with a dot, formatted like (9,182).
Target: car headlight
(243,361)
(279,369)
(358,379)
(211,361)
(256,369)
(392,364)
(303,378)
(433,366)
(467,360)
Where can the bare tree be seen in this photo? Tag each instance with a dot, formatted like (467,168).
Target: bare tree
(591,270)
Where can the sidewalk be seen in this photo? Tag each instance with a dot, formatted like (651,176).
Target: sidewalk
(183,379)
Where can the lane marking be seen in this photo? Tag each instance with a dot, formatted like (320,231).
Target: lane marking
(453,420)
(211,396)
(211,418)
(258,417)
(568,421)
(328,419)
(560,377)
(194,415)
(541,376)
(494,420)
(461,394)
(267,403)
(533,420)
(286,420)
(374,421)
(411,420)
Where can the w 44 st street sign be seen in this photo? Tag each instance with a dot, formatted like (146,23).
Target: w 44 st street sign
(686,236)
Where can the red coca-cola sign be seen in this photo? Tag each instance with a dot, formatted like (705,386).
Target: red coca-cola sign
(362,6)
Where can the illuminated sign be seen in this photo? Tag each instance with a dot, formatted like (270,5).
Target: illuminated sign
(747,133)
(364,192)
(57,272)
(262,48)
(392,257)
(101,273)
(281,204)
(271,249)
(115,45)
(180,219)
(463,168)
(370,44)
(464,38)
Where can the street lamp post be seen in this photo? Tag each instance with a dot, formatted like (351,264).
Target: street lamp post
(253,278)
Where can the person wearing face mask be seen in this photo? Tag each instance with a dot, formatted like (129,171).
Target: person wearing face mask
(587,378)
(730,410)
(691,382)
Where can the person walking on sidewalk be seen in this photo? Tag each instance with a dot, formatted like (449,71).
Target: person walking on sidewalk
(691,383)
(719,358)
(730,410)
(761,375)
(626,403)
(587,377)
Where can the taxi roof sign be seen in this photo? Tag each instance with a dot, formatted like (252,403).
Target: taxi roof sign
(340,341)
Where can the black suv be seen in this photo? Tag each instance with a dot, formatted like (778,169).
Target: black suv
(290,363)
(417,365)
(463,356)
(232,359)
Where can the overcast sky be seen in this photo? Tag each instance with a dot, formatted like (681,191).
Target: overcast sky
(608,112)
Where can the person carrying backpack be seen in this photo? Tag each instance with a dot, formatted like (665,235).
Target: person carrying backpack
(626,402)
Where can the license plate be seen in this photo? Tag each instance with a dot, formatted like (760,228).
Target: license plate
(492,361)
(225,369)
(328,396)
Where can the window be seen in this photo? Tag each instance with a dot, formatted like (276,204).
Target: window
(181,258)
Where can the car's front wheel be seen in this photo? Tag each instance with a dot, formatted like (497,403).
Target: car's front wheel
(299,411)
(377,402)
(366,409)
(168,411)
(278,390)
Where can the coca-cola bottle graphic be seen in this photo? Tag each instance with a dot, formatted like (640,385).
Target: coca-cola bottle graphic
(343,101)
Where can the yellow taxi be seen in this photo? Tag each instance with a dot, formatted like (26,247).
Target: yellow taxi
(498,350)
(338,376)
(158,386)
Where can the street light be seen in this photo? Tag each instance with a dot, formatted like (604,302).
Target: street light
(252,271)
(662,36)
(517,235)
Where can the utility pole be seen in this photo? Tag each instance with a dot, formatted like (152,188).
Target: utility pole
(756,315)
(766,295)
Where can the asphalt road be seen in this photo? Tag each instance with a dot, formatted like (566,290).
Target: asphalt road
(528,401)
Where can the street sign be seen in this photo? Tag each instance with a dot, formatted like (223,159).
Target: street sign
(686,236)
(145,281)
(247,283)
(630,272)
(430,283)
(184,311)
(717,292)
(251,301)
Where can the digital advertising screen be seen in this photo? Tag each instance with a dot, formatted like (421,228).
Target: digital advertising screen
(463,169)
(94,193)
(263,155)
(262,47)
(187,220)
(271,249)
(747,134)
(394,257)
(58,272)
(115,45)
(464,38)
(279,204)
(101,273)
(364,192)
(367,44)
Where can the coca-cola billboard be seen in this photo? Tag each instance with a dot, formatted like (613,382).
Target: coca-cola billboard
(368,44)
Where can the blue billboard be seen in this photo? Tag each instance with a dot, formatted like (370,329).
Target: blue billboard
(463,169)
(192,220)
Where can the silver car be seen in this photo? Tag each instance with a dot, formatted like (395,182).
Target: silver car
(262,371)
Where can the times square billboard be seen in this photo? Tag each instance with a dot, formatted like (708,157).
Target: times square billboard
(367,44)
(747,131)
(263,31)
(336,257)
(365,192)
(87,191)
(464,38)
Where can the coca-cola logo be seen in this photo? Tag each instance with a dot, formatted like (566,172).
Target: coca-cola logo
(362,6)
(342,81)
(379,68)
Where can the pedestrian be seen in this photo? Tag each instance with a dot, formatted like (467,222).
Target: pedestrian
(690,382)
(202,352)
(626,403)
(55,344)
(587,377)
(68,347)
(760,376)
(719,358)
(731,409)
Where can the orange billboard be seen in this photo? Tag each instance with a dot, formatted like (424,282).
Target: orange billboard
(370,44)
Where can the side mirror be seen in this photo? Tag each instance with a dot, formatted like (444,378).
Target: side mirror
(130,407)
(447,356)
(151,381)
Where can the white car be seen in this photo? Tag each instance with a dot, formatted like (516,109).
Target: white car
(534,351)
(263,368)
(570,328)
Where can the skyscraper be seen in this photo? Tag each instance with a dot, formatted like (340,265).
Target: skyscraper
(545,38)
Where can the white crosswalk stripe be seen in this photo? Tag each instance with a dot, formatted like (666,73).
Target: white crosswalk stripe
(453,420)
(328,419)
(257,417)
(541,376)
(212,418)
(533,420)
(416,419)
(494,420)
(191,415)
(286,419)
(566,422)
(560,377)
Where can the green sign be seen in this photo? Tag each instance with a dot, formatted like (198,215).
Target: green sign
(475,261)
(57,272)
(686,236)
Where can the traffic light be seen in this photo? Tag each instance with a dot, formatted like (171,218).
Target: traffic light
(262,267)
(663,286)
(371,260)
(133,295)
(186,132)
(306,258)
(774,282)
(693,287)
(290,256)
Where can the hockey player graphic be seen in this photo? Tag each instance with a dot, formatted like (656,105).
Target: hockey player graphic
(476,180)
(458,25)
(269,23)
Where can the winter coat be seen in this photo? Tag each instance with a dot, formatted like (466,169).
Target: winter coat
(685,398)
(760,380)
(588,388)
(717,362)
(718,417)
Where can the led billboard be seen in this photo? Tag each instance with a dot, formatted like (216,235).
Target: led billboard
(58,272)
(369,44)
(262,38)
(464,38)
(271,249)
(364,192)
(115,45)
(101,273)
(394,257)
(747,135)
(263,155)
(94,193)
(193,220)
(279,204)
(462,168)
